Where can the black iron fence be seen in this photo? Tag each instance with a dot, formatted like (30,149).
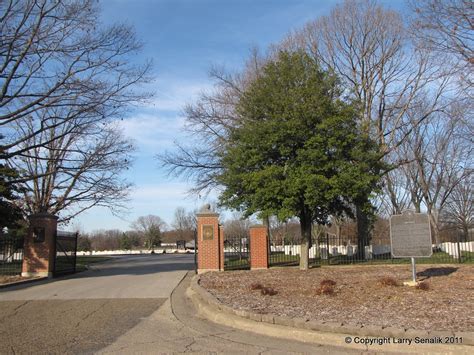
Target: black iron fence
(236,252)
(65,254)
(329,249)
(11,254)
(333,250)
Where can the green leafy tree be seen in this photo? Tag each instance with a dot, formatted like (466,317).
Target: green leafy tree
(125,242)
(297,150)
(84,243)
(10,213)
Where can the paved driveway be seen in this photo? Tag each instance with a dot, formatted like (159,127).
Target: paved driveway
(88,311)
(132,305)
(140,276)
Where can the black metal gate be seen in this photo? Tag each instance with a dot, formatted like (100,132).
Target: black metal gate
(65,253)
(284,249)
(11,254)
(196,249)
(236,252)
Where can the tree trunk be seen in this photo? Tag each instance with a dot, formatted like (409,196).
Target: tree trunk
(433,216)
(362,231)
(305,225)
(465,233)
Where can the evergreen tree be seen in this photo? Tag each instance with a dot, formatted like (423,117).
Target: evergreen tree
(298,150)
(10,213)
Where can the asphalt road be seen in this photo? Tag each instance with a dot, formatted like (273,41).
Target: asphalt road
(135,276)
(88,311)
(134,304)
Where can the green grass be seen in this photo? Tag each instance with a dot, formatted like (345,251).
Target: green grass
(12,268)
(436,258)
(280,259)
(236,263)
(83,261)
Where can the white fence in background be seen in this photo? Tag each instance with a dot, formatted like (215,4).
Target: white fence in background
(452,248)
(134,252)
(9,258)
(370,251)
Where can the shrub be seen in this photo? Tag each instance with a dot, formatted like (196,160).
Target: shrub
(268,291)
(425,286)
(325,290)
(388,281)
(256,286)
(327,282)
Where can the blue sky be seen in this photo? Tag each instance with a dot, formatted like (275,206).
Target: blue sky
(184,38)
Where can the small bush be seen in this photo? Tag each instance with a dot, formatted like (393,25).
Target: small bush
(327,282)
(425,286)
(268,291)
(256,286)
(388,281)
(325,290)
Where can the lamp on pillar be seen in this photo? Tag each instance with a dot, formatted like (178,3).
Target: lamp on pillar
(210,241)
(39,246)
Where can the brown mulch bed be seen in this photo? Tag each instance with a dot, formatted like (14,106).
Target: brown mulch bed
(362,295)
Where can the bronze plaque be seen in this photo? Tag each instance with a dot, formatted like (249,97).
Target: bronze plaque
(410,235)
(207,232)
(38,234)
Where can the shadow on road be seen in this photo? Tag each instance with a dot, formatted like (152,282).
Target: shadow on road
(126,265)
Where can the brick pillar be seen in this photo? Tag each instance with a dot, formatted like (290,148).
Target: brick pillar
(258,247)
(39,247)
(210,241)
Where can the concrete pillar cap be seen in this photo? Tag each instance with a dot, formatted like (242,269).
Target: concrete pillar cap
(205,211)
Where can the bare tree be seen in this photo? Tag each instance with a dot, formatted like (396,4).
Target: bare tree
(55,56)
(371,50)
(76,172)
(210,118)
(237,234)
(447,28)
(441,160)
(459,207)
(150,227)
(184,223)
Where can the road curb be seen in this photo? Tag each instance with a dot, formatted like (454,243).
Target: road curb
(23,282)
(328,332)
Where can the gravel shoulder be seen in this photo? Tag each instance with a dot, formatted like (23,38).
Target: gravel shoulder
(360,295)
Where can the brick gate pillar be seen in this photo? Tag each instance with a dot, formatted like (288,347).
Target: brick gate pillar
(258,247)
(39,246)
(210,241)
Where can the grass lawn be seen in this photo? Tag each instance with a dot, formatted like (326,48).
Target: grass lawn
(436,258)
(85,260)
(280,259)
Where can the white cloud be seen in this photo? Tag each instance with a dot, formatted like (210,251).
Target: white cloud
(160,123)
(153,132)
(162,192)
(173,96)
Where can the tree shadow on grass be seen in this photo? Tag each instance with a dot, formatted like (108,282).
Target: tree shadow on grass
(436,271)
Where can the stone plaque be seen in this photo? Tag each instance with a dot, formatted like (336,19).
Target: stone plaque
(410,235)
(207,232)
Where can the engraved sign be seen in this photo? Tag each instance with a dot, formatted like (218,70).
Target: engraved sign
(207,232)
(410,235)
